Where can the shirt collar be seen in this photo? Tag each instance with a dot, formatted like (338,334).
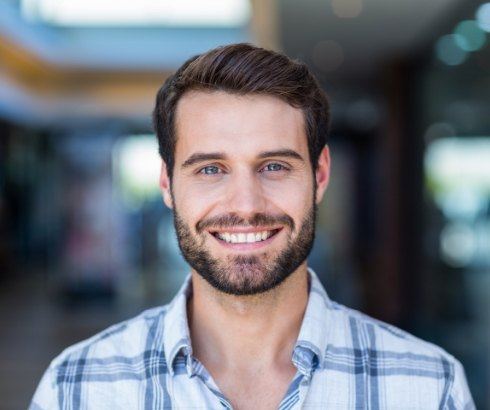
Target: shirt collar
(176,337)
(309,350)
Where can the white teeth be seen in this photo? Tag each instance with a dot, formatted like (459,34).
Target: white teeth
(244,237)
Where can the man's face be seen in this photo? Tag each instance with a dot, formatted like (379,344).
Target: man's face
(243,190)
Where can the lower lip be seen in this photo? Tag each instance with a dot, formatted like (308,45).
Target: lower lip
(247,246)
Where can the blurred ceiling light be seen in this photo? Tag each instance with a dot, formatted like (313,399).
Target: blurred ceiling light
(226,13)
(455,162)
(137,165)
(457,244)
(327,55)
(448,50)
(469,35)
(347,8)
(483,16)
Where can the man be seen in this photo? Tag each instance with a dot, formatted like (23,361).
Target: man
(242,134)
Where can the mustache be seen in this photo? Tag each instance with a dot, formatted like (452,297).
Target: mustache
(234,220)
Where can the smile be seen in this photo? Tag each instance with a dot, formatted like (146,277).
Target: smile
(254,237)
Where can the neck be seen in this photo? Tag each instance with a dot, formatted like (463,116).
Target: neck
(233,332)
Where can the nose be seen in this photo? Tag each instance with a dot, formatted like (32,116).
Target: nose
(245,195)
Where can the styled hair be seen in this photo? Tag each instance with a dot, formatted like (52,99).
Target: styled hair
(243,69)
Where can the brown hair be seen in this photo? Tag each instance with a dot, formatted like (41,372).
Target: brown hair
(243,69)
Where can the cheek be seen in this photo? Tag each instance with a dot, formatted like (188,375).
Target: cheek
(193,202)
(293,194)
(295,200)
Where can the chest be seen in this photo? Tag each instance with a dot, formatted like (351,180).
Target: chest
(259,392)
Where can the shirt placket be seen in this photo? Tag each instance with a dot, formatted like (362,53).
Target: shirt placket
(198,370)
(306,362)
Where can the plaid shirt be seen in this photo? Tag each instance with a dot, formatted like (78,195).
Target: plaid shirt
(344,360)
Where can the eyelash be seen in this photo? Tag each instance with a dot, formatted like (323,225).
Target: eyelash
(271,163)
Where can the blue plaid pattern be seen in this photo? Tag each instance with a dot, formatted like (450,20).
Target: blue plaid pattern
(344,360)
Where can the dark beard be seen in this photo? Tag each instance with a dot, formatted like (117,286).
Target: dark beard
(241,274)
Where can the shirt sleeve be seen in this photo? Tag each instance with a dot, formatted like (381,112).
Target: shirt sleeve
(46,394)
(459,396)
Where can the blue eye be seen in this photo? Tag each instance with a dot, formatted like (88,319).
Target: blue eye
(209,170)
(274,166)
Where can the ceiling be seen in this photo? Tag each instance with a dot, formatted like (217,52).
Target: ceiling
(93,70)
(383,29)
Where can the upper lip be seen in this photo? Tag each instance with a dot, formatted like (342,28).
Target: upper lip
(244,230)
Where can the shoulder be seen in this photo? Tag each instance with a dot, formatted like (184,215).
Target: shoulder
(369,333)
(394,355)
(124,339)
(116,354)
(351,330)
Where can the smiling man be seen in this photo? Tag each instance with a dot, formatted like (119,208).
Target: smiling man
(242,134)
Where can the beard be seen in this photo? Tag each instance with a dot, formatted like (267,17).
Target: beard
(246,274)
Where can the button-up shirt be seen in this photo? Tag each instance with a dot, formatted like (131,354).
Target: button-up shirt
(344,360)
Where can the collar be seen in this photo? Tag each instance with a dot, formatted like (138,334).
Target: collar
(176,336)
(309,350)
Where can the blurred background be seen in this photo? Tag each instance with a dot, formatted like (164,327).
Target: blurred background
(85,240)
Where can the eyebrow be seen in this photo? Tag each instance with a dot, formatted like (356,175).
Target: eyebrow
(288,153)
(212,156)
(202,156)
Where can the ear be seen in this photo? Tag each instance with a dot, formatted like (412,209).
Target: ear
(322,174)
(165,186)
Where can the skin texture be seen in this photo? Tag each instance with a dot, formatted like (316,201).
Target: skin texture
(248,301)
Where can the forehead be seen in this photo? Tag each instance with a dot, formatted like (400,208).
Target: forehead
(237,124)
